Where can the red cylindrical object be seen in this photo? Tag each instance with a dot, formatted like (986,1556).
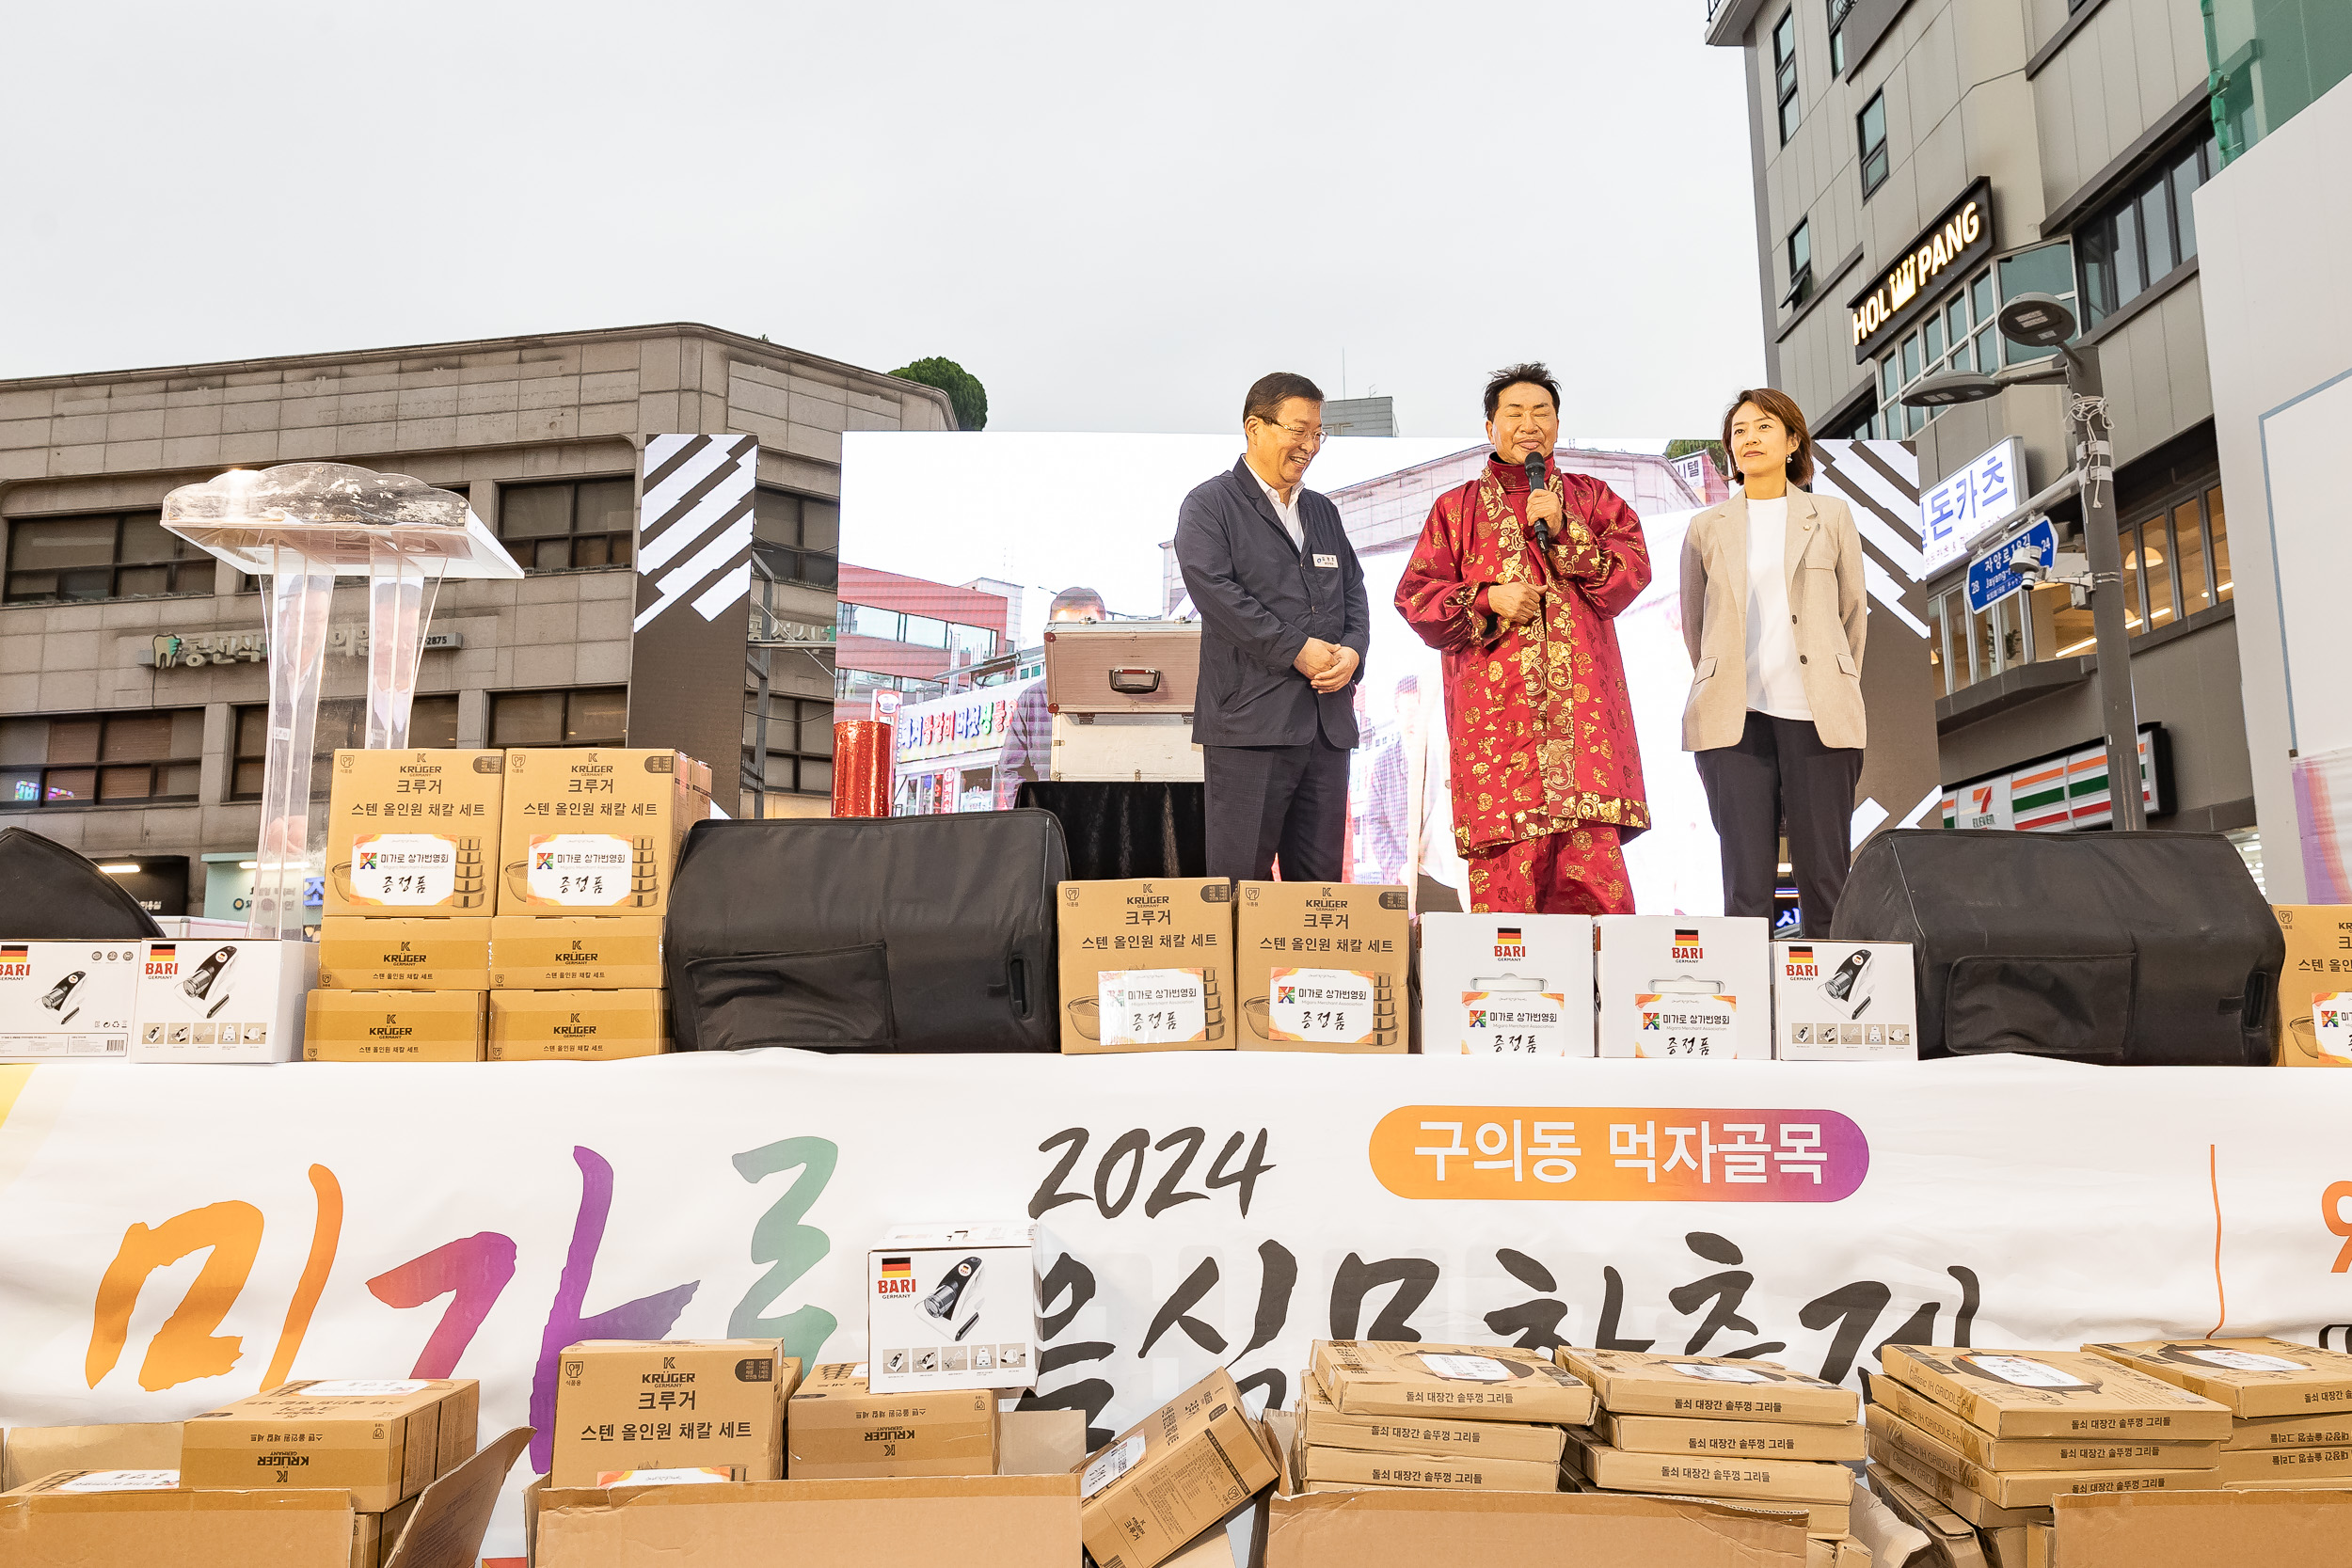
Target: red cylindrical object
(861,767)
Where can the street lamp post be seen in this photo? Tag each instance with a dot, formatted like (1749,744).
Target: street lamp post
(2039,320)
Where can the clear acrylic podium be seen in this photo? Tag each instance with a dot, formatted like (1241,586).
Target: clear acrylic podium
(300,527)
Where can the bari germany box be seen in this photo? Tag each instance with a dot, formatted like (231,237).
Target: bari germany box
(1485,1383)
(2255,1378)
(1323,967)
(67,1000)
(223,1001)
(955,1307)
(1147,965)
(382,1440)
(837,1428)
(1506,985)
(596,831)
(577,1025)
(1844,1001)
(403,955)
(412,832)
(1683,985)
(647,1404)
(2315,985)
(394,1027)
(583,953)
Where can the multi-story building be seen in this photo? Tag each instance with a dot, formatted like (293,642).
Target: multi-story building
(1917,163)
(133,668)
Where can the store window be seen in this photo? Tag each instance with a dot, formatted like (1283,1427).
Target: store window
(1965,646)
(2133,243)
(797,537)
(800,745)
(922,631)
(2176,563)
(1871,128)
(586,716)
(110,555)
(1838,12)
(569,525)
(342,725)
(1785,73)
(1800,264)
(149,757)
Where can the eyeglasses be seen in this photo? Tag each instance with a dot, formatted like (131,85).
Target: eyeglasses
(1300,433)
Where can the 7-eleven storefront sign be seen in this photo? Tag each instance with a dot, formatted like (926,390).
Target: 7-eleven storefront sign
(2057,795)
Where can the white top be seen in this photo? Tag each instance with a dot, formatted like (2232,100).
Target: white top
(1775,685)
(1288,515)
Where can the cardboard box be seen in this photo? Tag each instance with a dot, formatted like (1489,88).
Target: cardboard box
(837,1428)
(606,952)
(2023,1488)
(223,1001)
(1952,1541)
(356,954)
(644,1404)
(577,1025)
(1481,1382)
(1777,1480)
(2319,964)
(1844,1001)
(1147,966)
(955,1307)
(87,1519)
(1635,1383)
(28,1453)
(1323,1424)
(1323,967)
(1981,1448)
(1172,1475)
(2333,1428)
(374,1535)
(394,1027)
(1679,1434)
(955,1522)
(589,831)
(1414,1529)
(1888,1462)
(2241,1465)
(2253,1378)
(412,833)
(67,1000)
(1032,1442)
(1457,1472)
(2054,1394)
(1685,986)
(1506,985)
(2204,1529)
(382,1440)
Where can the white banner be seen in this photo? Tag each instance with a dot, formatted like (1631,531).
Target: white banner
(175,1238)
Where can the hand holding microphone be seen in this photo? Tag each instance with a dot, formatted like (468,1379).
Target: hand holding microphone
(1542,507)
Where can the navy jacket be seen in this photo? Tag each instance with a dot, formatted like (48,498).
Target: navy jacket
(1259,598)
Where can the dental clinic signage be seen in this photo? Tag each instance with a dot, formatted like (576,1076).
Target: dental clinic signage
(1942,252)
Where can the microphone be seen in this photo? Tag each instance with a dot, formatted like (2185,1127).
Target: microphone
(1536,483)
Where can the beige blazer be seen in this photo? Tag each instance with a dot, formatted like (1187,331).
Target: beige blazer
(1826,594)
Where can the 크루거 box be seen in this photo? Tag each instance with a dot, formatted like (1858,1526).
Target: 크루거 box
(2254,1378)
(67,1000)
(412,833)
(1685,986)
(1174,1474)
(1147,965)
(2034,1393)
(608,951)
(1323,967)
(223,1001)
(2315,985)
(1506,985)
(447,954)
(1479,1382)
(383,1440)
(1707,1387)
(1844,1001)
(837,1428)
(394,1027)
(645,1405)
(955,1307)
(591,830)
(577,1025)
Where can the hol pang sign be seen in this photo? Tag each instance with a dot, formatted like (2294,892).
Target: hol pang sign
(1954,241)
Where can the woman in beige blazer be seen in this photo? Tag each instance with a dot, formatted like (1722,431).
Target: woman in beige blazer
(1773,609)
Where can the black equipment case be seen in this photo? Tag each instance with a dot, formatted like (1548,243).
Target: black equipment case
(2148,948)
(52,893)
(893,933)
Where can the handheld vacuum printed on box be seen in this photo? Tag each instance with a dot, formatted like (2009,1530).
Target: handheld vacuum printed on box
(955,1307)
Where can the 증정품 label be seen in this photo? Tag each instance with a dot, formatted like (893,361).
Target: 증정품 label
(1514,1024)
(1685,1023)
(587,869)
(1328,1007)
(403,869)
(1154,1006)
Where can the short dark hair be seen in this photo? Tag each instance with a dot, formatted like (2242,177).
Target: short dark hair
(1781,406)
(1269,392)
(1077,598)
(1535,373)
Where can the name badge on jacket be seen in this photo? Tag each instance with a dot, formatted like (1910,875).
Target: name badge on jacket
(1330,561)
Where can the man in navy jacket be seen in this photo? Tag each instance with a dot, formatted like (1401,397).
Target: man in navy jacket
(1284,625)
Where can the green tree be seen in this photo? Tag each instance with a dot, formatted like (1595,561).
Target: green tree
(1688,445)
(965,392)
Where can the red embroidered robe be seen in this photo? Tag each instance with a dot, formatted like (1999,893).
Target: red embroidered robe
(1538,721)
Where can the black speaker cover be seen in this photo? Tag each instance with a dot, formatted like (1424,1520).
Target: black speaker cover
(2149,949)
(49,894)
(906,933)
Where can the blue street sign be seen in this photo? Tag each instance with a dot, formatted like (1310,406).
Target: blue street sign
(1991,578)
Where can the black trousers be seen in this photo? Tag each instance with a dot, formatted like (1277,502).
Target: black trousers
(1779,771)
(1264,801)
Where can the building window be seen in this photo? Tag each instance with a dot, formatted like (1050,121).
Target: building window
(2176,563)
(147,757)
(113,555)
(1785,73)
(341,726)
(922,631)
(800,745)
(2136,241)
(797,537)
(1961,334)
(1800,264)
(1871,126)
(570,524)
(588,715)
(1838,11)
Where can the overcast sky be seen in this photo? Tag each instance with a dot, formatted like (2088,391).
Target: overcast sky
(1115,216)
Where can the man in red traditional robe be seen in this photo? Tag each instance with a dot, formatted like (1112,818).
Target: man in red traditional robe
(1546,773)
